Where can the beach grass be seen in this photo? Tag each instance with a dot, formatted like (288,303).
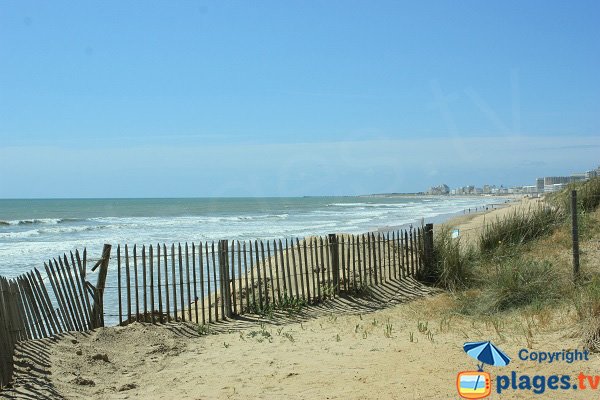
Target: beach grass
(523,261)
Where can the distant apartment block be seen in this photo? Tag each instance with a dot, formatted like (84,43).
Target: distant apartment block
(539,185)
(438,190)
(547,184)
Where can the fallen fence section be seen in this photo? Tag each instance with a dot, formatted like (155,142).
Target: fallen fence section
(33,307)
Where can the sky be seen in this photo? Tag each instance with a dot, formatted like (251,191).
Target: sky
(293,98)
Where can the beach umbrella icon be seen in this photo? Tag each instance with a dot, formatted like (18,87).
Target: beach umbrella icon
(486,353)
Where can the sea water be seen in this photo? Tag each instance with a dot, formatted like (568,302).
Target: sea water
(33,231)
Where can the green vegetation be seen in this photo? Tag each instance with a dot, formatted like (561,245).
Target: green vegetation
(453,268)
(520,227)
(588,196)
(291,305)
(523,262)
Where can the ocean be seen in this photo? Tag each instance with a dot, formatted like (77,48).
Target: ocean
(33,231)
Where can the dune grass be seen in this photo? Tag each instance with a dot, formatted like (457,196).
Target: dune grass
(520,227)
(515,263)
(588,196)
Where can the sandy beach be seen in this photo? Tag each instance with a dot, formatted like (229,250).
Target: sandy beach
(403,345)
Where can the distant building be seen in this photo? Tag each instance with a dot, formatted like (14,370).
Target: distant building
(578,177)
(439,190)
(487,189)
(551,181)
(539,183)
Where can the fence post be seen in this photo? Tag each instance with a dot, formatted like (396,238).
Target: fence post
(335,262)
(427,274)
(97,319)
(575,235)
(224,277)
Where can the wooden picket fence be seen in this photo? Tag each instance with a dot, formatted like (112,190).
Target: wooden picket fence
(30,309)
(212,281)
(202,282)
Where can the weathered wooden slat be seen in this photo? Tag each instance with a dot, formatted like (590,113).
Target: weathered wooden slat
(136,284)
(80,284)
(412,253)
(381,255)
(389,247)
(19,316)
(315,270)
(208,295)
(224,279)
(53,315)
(247,288)
(374,261)
(300,270)
(276,256)
(144,284)
(400,240)
(349,249)
(5,344)
(7,341)
(69,295)
(71,285)
(174,282)
(98,307)
(251,288)
(367,261)
(215,281)
(421,249)
(18,295)
(159,284)
(266,280)
(258,274)
(392,248)
(273,283)
(342,248)
(288,270)
(306,269)
(67,322)
(356,259)
(128,277)
(119,285)
(36,312)
(181,277)
(240,291)
(323,282)
(166,267)
(228,280)
(151,271)
(232,278)
(329,267)
(283,275)
(294,269)
(195,282)
(18,313)
(407,250)
(79,290)
(201,267)
(187,274)
(46,310)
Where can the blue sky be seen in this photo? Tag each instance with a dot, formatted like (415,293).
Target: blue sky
(272,98)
